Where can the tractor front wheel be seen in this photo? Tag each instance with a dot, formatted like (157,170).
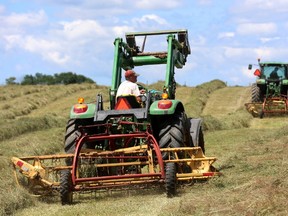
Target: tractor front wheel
(170,180)
(66,187)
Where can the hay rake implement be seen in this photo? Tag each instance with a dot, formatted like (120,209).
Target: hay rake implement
(100,169)
(270,105)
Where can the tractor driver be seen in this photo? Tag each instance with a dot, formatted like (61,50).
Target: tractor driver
(274,74)
(129,86)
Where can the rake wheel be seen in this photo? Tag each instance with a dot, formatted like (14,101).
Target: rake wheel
(170,180)
(66,187)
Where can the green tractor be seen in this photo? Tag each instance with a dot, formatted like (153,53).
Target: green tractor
(270,92)
(133,143)
(166,116)
(155,134)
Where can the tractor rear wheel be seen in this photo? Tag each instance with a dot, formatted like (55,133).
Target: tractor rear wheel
(72,133)
(170,179)
(196,133)
(172,132)
(255,93)
(66,187)
(201,142)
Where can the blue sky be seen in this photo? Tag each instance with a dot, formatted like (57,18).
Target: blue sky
(49,36)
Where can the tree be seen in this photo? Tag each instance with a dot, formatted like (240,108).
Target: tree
(62,78)
(70,78)
(29,80)
(11,81)
(44,79)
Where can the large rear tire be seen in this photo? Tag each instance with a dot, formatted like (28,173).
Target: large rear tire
(72,134)
(201,142)
(255,93)
(66,187)
(196,133)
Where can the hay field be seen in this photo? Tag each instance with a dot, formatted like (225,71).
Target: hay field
(251,152)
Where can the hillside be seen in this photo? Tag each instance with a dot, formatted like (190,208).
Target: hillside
(251,153)
(226,100)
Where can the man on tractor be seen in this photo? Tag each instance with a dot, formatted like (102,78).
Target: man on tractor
(129,86)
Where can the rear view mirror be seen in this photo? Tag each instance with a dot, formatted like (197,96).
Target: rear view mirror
(250,66)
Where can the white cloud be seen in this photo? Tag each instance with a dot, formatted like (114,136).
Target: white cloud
(275,5)
(264,6)
(57,57)
(11,41)
(267,39)
(49,50)
(24,19)
(121,30)
(14,24)
(83,28)
(159,4)
(150,18)
(226,35)
(35,45)
(256,28)
(198,40)
(2,8)
(232,52)
(205,2)
(265,53)
(70,43)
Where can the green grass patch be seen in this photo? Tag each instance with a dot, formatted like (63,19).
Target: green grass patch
(23,125)
(233,120)
(199,96)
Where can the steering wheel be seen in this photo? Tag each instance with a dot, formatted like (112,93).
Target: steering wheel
(143,97)
(141,87)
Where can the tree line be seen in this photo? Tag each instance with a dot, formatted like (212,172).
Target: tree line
(42,79)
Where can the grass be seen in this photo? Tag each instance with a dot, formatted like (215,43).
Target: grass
(196,98)
(226,100)
(251,153)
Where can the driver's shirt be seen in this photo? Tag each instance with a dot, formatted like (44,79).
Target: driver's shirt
(128,88)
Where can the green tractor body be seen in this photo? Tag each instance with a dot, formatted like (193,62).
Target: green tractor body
(155,134)
(154,108)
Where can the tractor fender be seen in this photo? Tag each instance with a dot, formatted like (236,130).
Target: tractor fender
(155,110)
(261,81)
(82,111)
(194,125)
(285,81)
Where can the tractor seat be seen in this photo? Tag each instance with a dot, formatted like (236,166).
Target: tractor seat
(127,102)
